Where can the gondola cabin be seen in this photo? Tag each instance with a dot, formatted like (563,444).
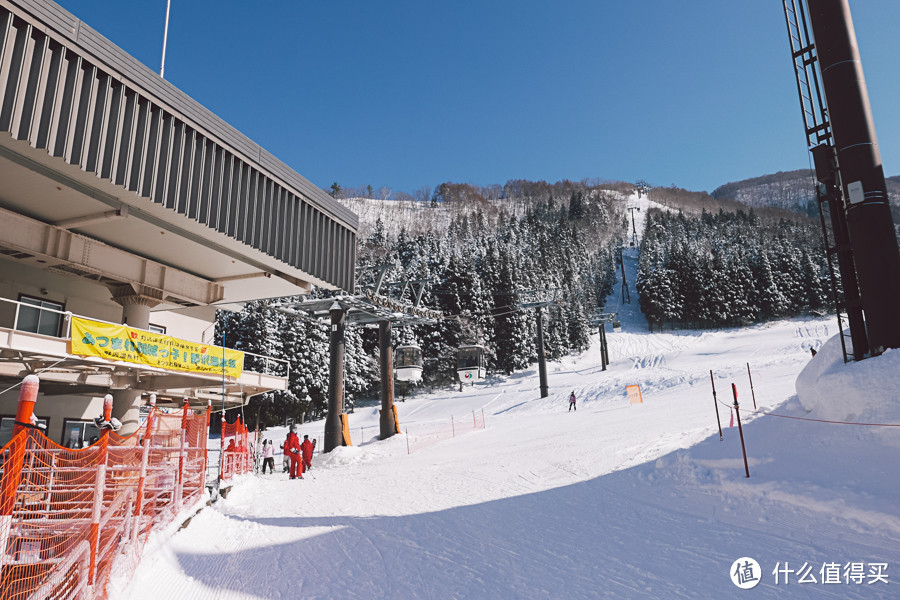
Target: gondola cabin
(408,363)
(470,364)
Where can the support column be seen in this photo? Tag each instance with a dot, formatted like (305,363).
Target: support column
(604,354)
(542,359)
(871,228)
(333,427)
(385,355)
(136,307)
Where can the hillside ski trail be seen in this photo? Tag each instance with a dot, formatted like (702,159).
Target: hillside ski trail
(612,500)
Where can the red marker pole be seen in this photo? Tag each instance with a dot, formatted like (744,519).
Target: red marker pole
(740,429)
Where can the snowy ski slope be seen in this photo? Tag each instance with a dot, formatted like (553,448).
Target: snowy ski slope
(611,501)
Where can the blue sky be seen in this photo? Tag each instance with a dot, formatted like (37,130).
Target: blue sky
(408,94)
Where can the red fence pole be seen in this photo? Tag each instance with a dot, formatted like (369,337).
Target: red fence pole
(407,440)
(452,426)
(12,469)
(740,430)
(99,485)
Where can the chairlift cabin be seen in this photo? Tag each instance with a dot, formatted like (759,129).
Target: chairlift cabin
(408,363)
(470,364)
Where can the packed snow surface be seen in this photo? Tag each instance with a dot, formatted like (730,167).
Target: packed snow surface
(613,500)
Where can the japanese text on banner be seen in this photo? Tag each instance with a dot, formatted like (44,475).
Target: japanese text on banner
(120,342)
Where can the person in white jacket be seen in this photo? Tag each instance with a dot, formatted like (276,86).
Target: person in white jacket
(268,454)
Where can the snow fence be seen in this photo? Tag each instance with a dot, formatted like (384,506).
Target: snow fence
(67,515)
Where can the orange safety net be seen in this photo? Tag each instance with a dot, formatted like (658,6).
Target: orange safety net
(237,457)
(427,434)
(68,516)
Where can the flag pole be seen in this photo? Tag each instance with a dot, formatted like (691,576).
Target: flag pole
(162,67)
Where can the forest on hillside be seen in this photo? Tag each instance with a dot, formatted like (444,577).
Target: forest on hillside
(481,267)
(727,269)
(486,252)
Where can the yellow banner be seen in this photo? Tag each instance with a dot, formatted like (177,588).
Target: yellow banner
(120,342)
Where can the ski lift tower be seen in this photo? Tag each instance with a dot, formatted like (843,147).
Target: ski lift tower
(599,320)
(633,225)
(367,307)
(540,304)
(641,187)
(852,194)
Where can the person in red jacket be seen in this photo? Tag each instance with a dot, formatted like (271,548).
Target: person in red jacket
(292,451)
(306,449)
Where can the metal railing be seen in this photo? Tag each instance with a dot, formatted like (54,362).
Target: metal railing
(277,367)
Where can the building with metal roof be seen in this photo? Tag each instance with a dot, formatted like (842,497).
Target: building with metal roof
(123,200)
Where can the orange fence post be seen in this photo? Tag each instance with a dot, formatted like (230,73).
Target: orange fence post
(179,478)
(145,456)
(99,485)
(12,469)
(27,398)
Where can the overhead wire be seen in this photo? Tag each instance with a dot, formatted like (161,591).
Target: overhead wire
(771,414)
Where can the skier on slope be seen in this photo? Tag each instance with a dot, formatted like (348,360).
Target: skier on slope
(572,401)
(306,449)
(292,451)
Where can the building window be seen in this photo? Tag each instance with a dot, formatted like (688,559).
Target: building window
(40,316)
(78,433)
(156,329)
(7,422)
